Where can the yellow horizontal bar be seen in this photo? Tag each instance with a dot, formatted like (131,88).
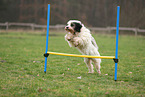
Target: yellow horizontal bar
(84,56)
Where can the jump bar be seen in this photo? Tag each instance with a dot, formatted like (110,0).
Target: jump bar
(84,56)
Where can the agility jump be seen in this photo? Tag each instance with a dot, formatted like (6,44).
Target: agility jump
(115,58)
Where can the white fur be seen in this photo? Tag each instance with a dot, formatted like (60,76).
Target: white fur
(86,44)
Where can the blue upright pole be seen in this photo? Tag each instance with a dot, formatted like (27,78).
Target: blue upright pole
(117,36)
(47,36)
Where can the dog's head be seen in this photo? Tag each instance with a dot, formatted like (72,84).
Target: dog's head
(74,26)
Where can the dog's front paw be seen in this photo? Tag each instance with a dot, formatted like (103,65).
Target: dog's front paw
(68,38)
(76,41)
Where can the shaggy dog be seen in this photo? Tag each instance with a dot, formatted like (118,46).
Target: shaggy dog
(80,37)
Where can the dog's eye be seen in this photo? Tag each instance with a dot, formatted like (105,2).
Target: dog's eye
(72,25)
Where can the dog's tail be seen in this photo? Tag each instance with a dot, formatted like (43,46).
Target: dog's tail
(94,42)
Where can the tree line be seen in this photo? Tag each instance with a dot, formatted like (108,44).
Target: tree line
(94,13)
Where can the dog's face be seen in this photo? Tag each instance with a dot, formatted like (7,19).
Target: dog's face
(73,26)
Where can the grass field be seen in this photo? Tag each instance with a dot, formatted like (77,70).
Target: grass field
(22,66)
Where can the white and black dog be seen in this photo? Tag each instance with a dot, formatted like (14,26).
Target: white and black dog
(80,37)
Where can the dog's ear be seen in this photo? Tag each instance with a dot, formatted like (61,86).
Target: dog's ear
(78,27)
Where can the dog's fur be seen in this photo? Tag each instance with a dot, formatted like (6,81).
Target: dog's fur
(80,37)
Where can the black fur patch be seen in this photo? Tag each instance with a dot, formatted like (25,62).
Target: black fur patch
(78,27)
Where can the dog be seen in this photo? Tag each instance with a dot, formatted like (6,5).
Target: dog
(80,37)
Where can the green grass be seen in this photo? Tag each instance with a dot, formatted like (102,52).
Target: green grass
(22,66)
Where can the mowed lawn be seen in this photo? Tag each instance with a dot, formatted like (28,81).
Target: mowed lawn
(22,67)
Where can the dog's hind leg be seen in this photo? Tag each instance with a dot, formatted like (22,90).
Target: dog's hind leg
(89,65)
(97,63)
